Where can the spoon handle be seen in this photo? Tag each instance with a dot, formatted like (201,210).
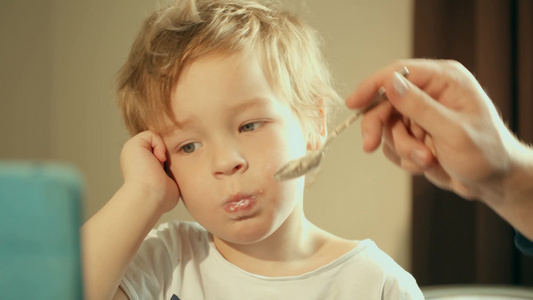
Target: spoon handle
(349,121)
(378,98)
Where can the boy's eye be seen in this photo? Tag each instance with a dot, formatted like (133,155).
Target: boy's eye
(250,126)
(190,148)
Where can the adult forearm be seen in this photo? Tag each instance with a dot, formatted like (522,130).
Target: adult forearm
(513,199)
(111,238)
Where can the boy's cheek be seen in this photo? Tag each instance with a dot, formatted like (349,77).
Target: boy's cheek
(182,176)
(269,163)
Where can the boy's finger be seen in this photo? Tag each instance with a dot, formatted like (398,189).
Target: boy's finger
(160,151)
(157,145)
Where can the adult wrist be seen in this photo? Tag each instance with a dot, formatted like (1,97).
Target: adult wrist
(512,197)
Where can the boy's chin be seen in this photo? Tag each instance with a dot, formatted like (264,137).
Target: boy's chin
(245,234)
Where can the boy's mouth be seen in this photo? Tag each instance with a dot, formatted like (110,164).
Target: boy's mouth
(239,202)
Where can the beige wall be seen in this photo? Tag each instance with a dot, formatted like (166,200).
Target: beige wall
(59,59)
(359,195)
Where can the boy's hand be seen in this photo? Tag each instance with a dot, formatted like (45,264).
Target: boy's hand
(113,235)
(142,161)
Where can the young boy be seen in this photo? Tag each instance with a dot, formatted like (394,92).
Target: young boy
(219,95)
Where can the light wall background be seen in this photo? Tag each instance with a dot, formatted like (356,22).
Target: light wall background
(58,63)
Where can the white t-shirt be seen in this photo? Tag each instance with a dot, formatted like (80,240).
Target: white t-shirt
(179,261)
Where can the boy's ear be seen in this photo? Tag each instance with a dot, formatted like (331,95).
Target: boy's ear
(317,137)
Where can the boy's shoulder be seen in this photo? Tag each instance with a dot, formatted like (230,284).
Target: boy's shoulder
(369,265)
(178,254)
(178,227)
(164,253)
(175,238)
(369,256)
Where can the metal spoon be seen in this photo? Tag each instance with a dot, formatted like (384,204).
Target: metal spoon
(303,165)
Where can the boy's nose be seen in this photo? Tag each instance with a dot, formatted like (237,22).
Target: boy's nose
(228,161)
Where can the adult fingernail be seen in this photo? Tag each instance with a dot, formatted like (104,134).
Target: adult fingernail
(399,84)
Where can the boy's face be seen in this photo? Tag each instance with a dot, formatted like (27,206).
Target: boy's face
(233,134)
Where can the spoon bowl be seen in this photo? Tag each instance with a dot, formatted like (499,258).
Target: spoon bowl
(303,165)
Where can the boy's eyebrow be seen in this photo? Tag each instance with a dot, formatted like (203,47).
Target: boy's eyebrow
(252,102)
(182,123)
(239,106)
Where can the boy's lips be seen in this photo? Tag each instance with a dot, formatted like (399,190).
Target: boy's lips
(239,202)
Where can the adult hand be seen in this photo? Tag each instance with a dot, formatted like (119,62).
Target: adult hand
(439,123)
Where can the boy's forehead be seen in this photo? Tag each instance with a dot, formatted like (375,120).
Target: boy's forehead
(234,77)
(227,82)
(225,62)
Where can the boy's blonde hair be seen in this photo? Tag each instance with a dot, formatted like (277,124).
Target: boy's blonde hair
(175,36)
